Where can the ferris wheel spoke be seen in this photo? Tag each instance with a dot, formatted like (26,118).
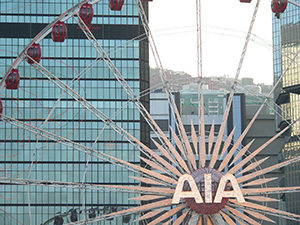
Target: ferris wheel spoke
(133,97)
(76,79)
(94,110)
(166,83)
(29,204)
(87,150)
(138,209)
(238,142)
(150,173)
(86,169)
(123,82)
(202,147)
(223,126)
(97,187)
(201,127)
(106,58)
(72,93)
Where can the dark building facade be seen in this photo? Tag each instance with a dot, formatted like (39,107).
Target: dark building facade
(40,103)
(286,41)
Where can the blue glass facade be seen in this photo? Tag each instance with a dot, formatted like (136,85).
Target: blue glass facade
(286,41)
(28,156)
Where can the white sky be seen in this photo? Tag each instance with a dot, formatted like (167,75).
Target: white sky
(173,25)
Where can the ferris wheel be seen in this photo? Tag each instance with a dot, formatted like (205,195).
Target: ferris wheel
(94,113)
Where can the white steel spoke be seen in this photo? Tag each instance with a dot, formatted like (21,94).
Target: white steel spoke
(71,144)
(228,107)
(96,187)
(118,75)
(85,171)
(71,92)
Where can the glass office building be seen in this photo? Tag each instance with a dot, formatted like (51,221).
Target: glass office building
(26,155)
(286,39)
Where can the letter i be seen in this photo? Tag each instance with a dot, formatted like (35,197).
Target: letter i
(208,191)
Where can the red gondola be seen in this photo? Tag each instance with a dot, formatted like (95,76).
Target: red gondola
(116,4)
(13,79)
(58,220)
(247,1)
(59,32)
(279,6)
(34,52)
(86,13)
(1,107)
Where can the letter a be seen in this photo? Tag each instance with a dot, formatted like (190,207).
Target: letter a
(194,193)
(221,193)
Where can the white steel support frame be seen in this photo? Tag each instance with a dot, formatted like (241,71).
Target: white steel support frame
(166,82)
(235,83)
(108,121)
(68,143)
(224,122)
(135,99)
(70,13)
(201,126)
(56,184)
(163,76)
(274,87)
(73,185)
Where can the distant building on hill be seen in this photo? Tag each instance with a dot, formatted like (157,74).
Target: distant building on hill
(177,79)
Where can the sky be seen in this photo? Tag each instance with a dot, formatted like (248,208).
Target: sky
(224,29)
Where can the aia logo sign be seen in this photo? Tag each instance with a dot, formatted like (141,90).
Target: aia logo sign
(207,191)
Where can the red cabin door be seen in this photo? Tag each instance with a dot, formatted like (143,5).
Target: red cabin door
(13,79)
(116,5)
(86,13)
(279,6)
(35,52)
(59,32)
